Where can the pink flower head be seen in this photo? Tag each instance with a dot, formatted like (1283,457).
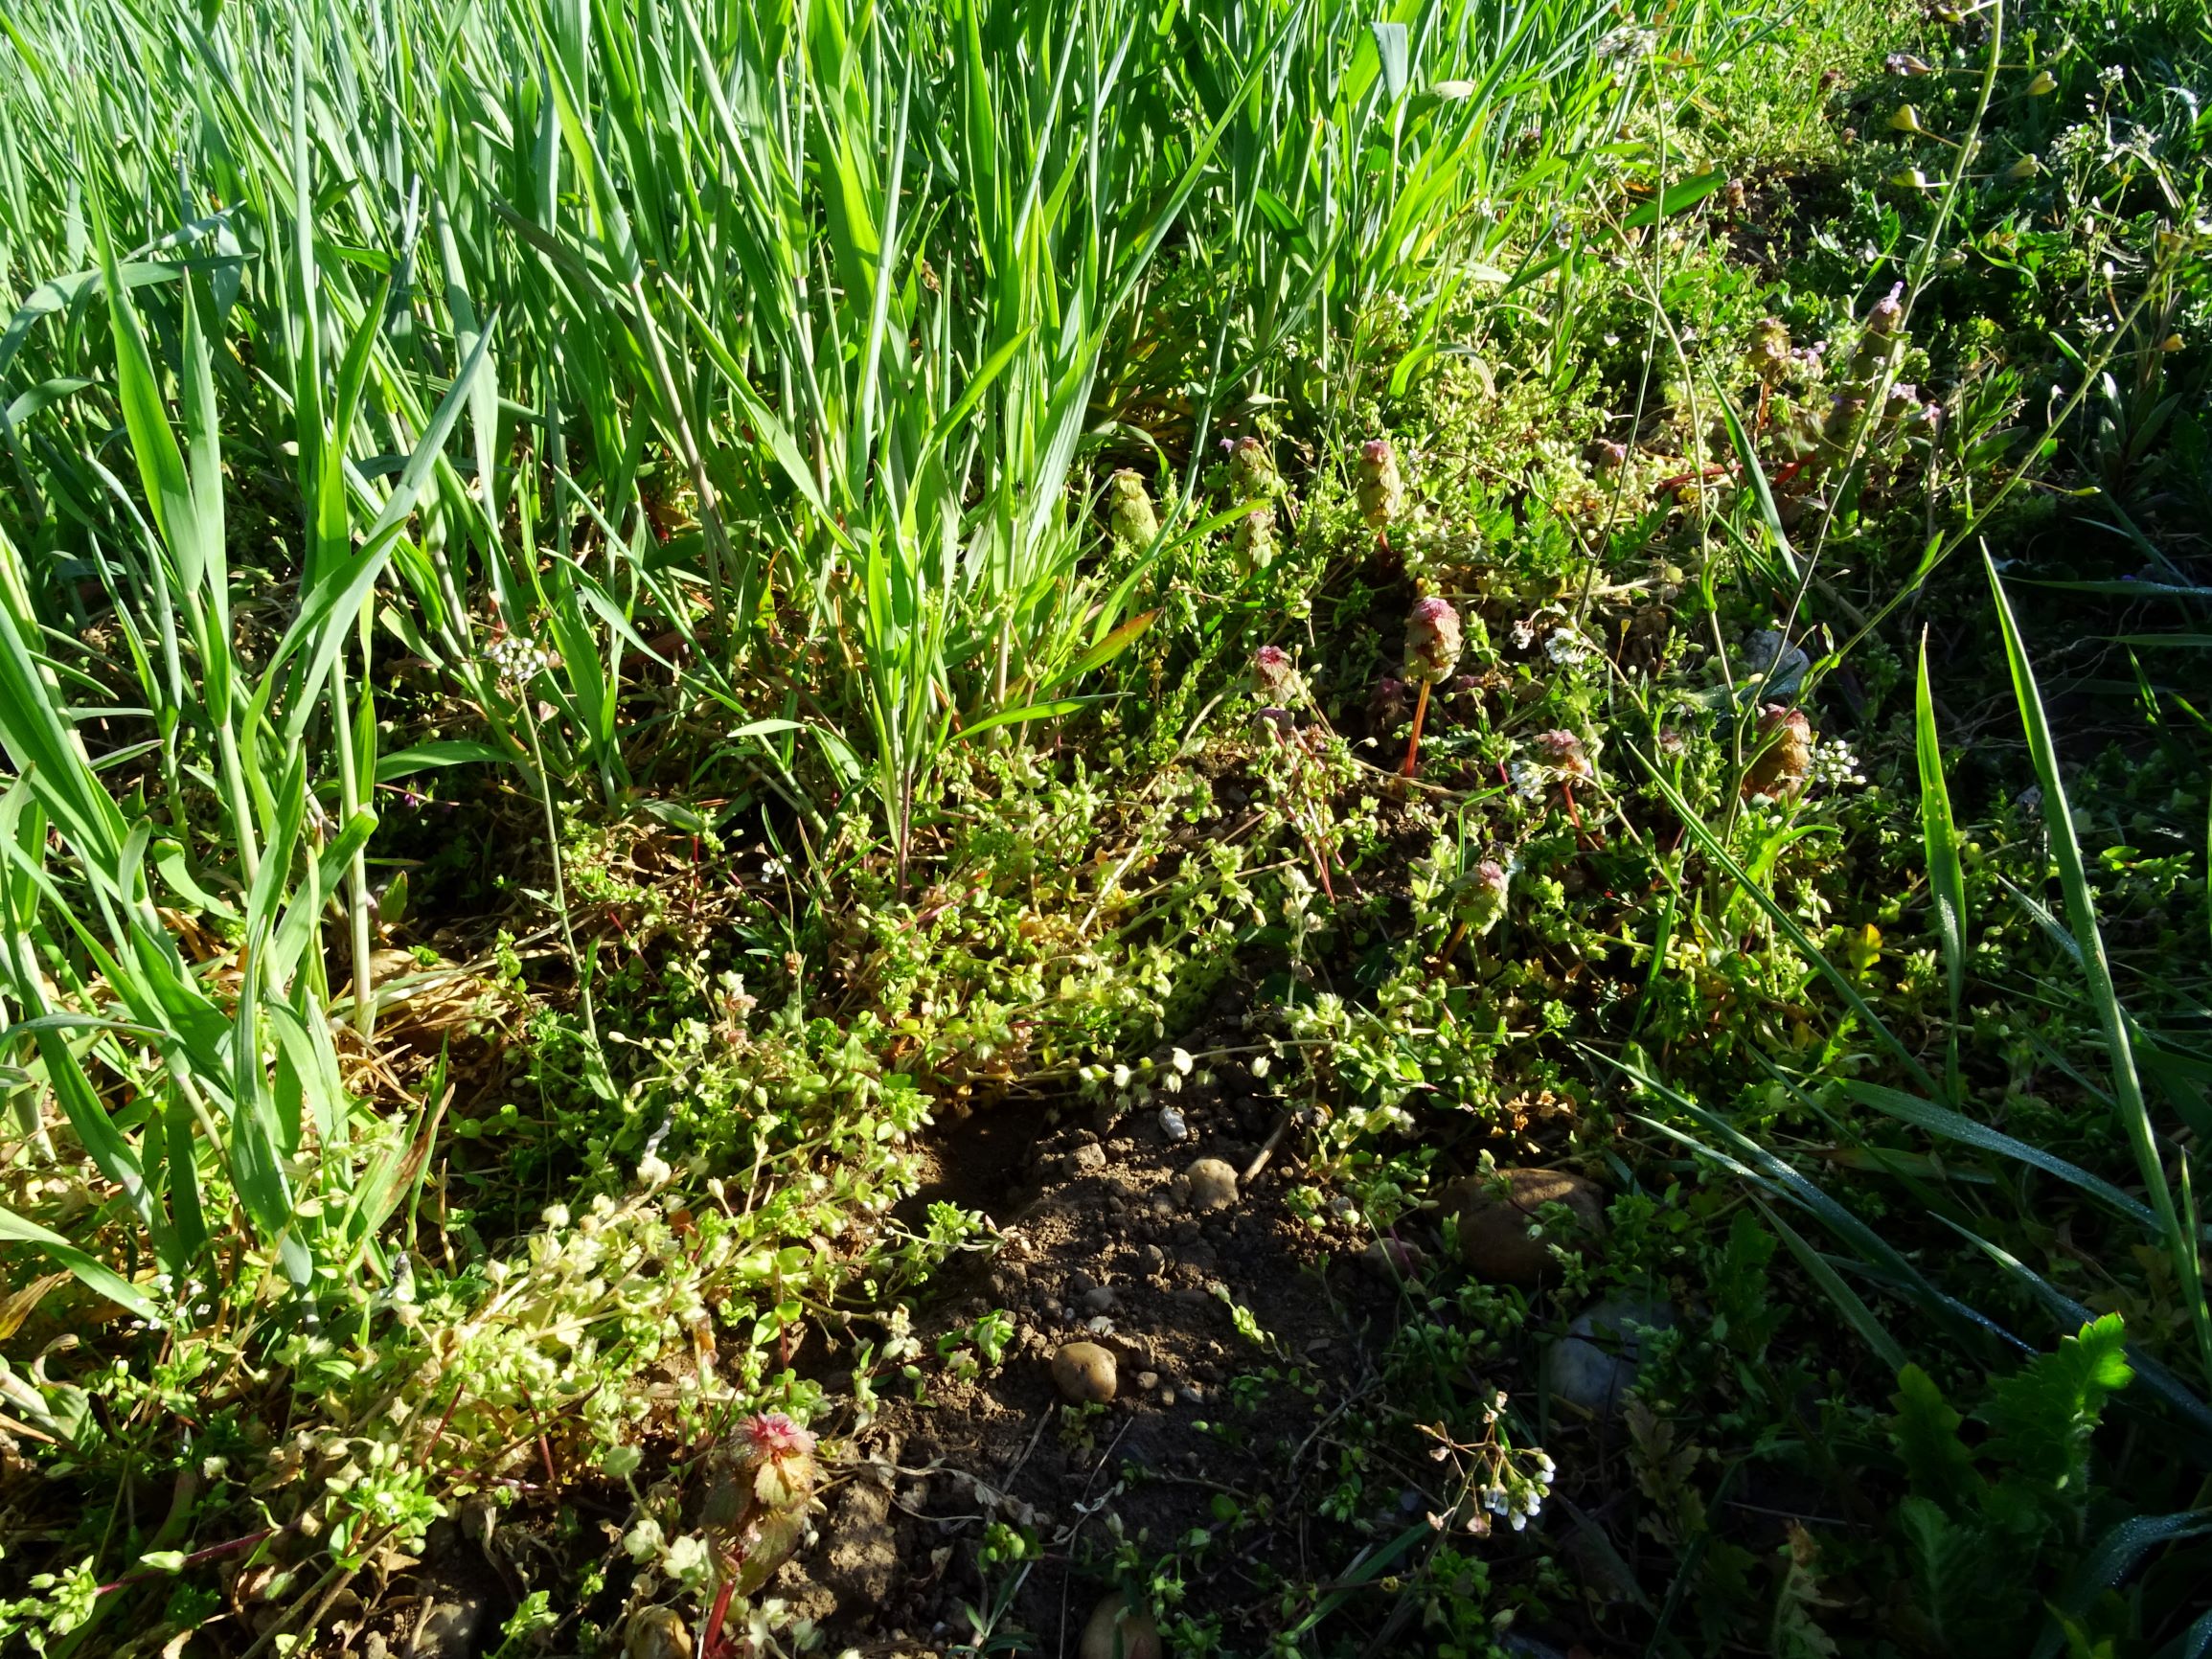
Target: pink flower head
(1480,896)
(1564,751)
(1272,676)
(1887,313)
(1432,640)
(771,1436)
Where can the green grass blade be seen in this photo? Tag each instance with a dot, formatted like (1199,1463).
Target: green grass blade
(90,1273)
(1939,835)
(2104,998)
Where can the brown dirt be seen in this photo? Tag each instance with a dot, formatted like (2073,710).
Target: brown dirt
(1099,1244)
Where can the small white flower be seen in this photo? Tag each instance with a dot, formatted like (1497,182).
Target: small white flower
(643,1541)
(687,1561)
(653,1170)
(1568,649)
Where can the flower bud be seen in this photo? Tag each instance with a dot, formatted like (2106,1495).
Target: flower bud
(1272,676)
(1254,538)
(1563,752)
(1769,352)
(2043,85)
(1252,475)
(1381,486)
(1478,897)
(1130,511)
(1906,119)
(1888,313)
(2022,170)
(1432,641)
(1389,702)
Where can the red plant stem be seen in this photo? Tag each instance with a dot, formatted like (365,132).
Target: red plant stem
(713,1645)
(1413,738)
(196,1559)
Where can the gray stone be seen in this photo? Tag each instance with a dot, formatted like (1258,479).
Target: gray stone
(1769,656)
(449,1627)
(1088,1158)
(1594,1366)
(1098,1299)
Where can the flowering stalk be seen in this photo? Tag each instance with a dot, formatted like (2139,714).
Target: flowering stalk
(1381,488)
(1432,644)
(755,1508)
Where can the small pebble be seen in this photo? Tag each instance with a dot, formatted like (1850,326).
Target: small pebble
(656,1633)
(1171,1124)
(1213,1184)
(1098,1299)
(1117,1630)
(1083,1372)
(1392,1259)
(1147,1381)
(1089,1157)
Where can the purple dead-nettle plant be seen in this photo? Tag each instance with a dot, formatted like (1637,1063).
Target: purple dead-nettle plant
(1303,777)
(1770,352)
(1888,311)
(759,1484)
(1564,758)
(1563,753)
(1273,676)
(1254,538)
(1381,485)
(1477,900)
(1130,511)
(1432,646)
(1252,474)
(1389,702)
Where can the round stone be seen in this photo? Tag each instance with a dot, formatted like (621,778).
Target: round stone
(1213,1184)
(1593,1366)
(1499,1234)
(1117,1630)
(1083,1372)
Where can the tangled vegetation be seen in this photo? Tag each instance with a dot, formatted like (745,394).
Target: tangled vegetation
(616,616)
